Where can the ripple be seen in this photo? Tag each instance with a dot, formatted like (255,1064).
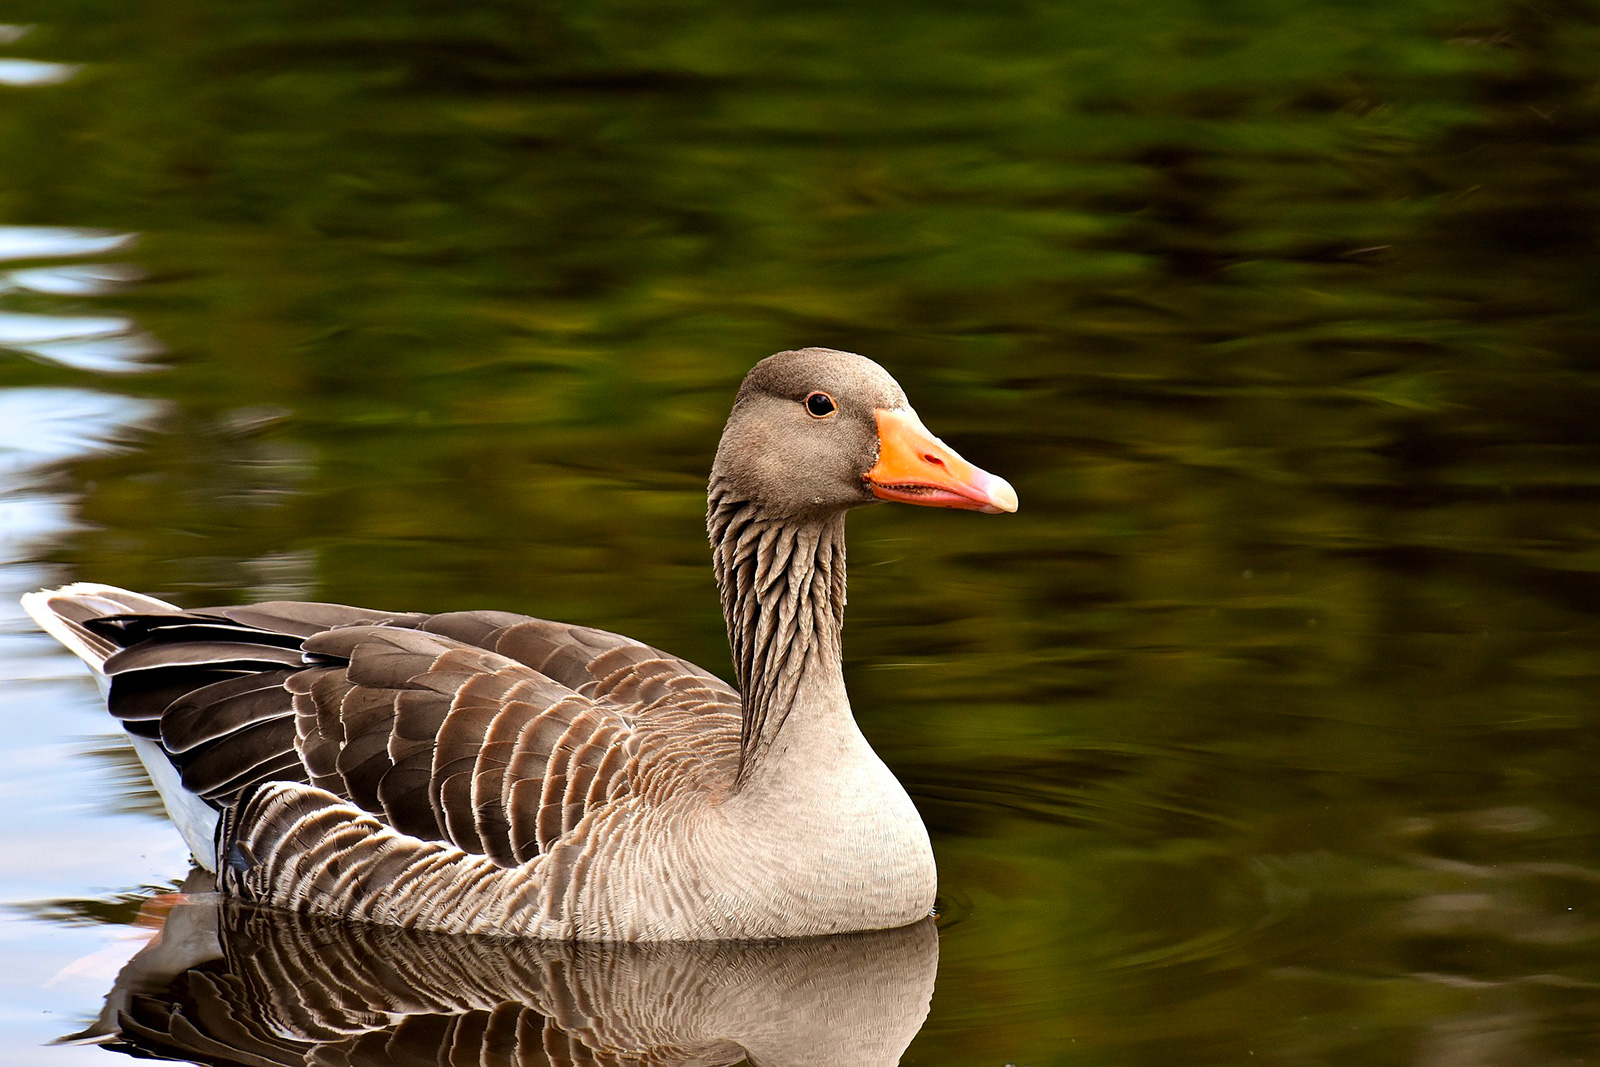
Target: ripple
(92,279)
(107,344)
(27,73)
(48,424)
(32,72)
(41,242)
(17,328)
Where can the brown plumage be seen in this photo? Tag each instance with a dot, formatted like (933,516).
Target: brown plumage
(484,771)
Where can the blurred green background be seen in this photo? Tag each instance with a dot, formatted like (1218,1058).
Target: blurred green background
(1266,731)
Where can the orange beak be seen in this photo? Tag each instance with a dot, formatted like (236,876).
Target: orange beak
(915,467)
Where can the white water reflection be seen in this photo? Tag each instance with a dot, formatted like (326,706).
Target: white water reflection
(46,425)
(53,716)
(94,279)
(16,329)
(110,344)
(59,242)
(53,713)
(28,72)
(40,427)
(107,344)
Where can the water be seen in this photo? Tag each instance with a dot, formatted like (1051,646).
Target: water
(1265,732)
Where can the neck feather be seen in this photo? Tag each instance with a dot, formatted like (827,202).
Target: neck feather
(783,591)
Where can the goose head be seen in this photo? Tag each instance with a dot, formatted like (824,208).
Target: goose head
(817,431)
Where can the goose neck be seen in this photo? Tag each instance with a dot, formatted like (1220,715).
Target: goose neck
(782,580)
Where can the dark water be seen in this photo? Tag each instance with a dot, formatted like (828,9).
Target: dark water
(1266,732)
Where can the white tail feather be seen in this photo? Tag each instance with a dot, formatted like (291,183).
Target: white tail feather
(195,819)
(105,599)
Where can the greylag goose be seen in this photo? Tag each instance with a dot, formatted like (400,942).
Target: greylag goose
(230,983)
(484,772)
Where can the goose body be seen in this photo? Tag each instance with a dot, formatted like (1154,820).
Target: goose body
(488,772)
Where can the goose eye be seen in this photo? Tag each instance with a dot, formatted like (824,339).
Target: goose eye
(820,405)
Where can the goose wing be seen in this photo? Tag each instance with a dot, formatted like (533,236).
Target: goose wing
(490,731)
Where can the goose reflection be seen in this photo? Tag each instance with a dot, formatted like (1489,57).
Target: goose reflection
(226,983)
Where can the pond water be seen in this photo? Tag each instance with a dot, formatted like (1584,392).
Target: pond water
(1265,732)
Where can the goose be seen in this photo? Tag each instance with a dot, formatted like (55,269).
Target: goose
(487,772)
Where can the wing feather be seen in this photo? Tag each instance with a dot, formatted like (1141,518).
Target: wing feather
(494,732)
(214,711)
(489,792)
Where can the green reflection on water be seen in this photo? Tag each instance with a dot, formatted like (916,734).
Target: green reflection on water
(1266,729)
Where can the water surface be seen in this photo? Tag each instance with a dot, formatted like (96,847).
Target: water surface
(1265,732)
